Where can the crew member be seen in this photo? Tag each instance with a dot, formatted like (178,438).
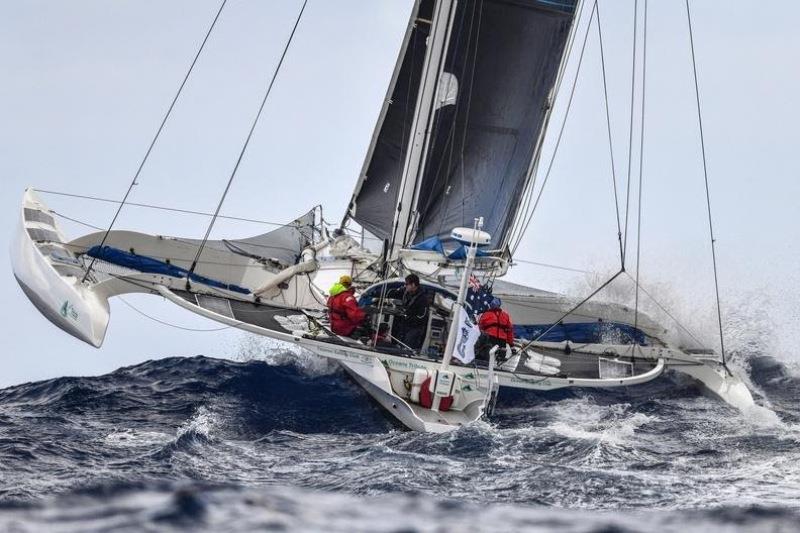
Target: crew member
(496,330)
(345,314)
(413,324)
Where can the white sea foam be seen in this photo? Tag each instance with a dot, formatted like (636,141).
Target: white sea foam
(130,438)
(203,422)
(254,348)
(582,419)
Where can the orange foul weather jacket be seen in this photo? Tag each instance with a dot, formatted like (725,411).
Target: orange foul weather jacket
(345,314)
(496,323)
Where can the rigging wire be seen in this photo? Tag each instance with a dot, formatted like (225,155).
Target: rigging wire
(610,142)
(149,289)
(548,265)
(571,310)
(247,140)
(156,136)
(641,167)
(76,221)
(165,323)
(630,130)
(529,216)
(666,311)
(530,182)
(92,226)
(708,194)
(163,208)
(450,144)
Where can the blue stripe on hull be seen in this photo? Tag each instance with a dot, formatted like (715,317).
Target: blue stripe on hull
(584,332)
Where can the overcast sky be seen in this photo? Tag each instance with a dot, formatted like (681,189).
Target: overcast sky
(85,84)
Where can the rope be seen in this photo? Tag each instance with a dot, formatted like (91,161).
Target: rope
(155,138)
(529,216)
(630,130)
(610,143)
(708,194)
(92,226)
(556,267)
(163,208)
(247,140)
(641,168)
(162,322)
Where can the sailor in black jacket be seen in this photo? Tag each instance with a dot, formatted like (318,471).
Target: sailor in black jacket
(413,324)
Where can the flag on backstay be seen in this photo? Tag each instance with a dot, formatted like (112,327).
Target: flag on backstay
(468,334)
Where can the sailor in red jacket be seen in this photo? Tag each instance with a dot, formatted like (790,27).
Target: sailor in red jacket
(496,329)
(345,315)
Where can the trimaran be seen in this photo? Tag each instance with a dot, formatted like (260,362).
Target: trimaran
(445,191)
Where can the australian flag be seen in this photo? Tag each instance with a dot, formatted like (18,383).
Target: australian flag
(478,296)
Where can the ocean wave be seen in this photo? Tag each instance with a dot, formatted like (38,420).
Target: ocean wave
(202,507)
(142,433)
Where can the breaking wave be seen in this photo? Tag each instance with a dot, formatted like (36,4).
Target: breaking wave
(283,439)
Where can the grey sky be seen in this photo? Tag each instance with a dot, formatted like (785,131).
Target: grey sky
(85,84)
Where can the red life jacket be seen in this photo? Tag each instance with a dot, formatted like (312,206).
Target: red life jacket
(496,323)
(345,315)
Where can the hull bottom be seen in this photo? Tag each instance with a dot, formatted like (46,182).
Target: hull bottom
(414,417)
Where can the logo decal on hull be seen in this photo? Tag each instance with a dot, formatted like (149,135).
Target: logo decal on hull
(68,311)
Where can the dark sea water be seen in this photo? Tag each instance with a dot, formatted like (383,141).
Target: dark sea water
(291,444)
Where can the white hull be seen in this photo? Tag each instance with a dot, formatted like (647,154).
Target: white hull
(51,276)
(410,415)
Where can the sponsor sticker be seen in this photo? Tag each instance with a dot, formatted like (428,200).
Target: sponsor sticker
(68,311)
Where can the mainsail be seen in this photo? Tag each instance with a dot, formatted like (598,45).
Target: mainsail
(469,103)
(505,56)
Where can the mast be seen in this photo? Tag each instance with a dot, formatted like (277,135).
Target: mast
(420,131)
(506,57)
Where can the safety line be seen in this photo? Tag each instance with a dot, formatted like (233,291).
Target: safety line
(92,226)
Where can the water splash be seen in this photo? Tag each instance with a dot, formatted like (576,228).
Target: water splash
(253,347)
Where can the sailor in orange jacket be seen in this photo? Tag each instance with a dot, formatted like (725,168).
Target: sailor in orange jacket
(345,314)
(496,329)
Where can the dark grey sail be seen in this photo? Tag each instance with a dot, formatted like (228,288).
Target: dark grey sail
(375,199)
(502,63)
